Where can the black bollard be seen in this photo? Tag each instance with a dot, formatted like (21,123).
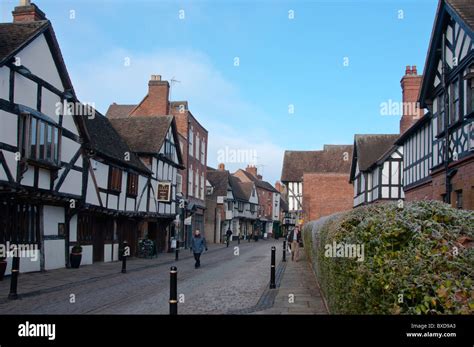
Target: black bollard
(272,274)
(176,251)
(14,279)
(173,291)
(284,250)
(124,257)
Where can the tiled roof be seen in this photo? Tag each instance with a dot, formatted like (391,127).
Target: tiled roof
(143,134)
(258,182)
(333,159)
(14,35)
(371,147)
(220,181)
(465,9)
(119,111)
(105,140)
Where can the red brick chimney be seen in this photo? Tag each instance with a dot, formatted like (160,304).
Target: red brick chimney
(156,102)
(278,186)
(27,12)
(251,169)
(411,84)
(221,167)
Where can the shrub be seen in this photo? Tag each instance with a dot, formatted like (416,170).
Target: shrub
(418,259)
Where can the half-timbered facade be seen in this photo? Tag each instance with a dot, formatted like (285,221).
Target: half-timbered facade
(41,164)
(441,161)
(155,141)
(376,169)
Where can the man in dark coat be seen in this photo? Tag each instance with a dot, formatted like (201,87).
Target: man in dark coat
(198,245)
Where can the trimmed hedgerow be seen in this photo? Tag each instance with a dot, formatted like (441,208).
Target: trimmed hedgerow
(418,259)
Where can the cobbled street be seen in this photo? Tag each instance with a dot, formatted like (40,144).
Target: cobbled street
(225,283)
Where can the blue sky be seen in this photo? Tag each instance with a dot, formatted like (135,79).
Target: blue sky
(282,62)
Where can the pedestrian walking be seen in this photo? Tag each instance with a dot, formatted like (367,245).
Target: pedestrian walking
(198,245)
(294,238)
(228,235)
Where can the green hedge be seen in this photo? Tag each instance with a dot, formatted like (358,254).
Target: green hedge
(421,254)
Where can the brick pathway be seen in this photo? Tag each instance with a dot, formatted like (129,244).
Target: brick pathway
(298,292)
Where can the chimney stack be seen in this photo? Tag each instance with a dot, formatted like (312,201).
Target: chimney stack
(27,12)
(156,103)
(278,186)
(410,83)
(221,167)
(252,170)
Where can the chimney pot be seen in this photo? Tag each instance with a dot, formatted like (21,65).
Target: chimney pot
(221,167)
(408,70)
(156,77)
(413,69)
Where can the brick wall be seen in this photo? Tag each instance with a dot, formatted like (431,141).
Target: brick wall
(325,194)
(463,180)
(421,192)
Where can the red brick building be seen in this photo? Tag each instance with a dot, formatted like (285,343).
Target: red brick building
(317,182)
(191,182)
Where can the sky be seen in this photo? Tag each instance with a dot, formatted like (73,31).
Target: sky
(261,76)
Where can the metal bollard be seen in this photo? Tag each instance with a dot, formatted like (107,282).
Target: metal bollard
(284,250)
(272,274)
(173,291)
(14,279)
(124,257)
(176,252)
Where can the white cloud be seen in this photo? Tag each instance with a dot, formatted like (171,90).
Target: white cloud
(232,122)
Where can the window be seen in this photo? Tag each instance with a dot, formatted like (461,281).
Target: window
(40,140)
(170,149)
(459,199)
(241,207)
(197,146)
(252,208)
(115,179)
(202,186)
(196,185)
(191,141)
(190,181)
(203,152)
(358,184)
(454,102)
(132,185)
(230,205)
(179,184)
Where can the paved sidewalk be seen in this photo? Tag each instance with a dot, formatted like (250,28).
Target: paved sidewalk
(34,283)
(298,292)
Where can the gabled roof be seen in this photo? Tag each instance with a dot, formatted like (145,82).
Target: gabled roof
(220,181)
(258,182)
(119,111)
(106,141)
(369,148)
(247,189)
(328,160)
(15,36)
(463,12)
(147,134)
(237,189)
